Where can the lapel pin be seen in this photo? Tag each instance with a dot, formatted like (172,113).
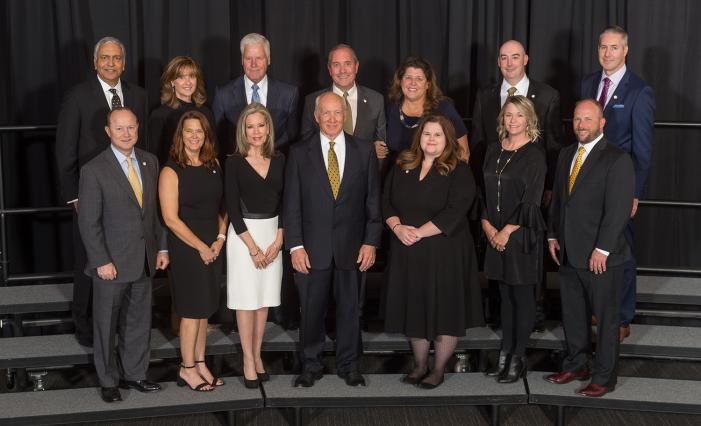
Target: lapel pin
(365,101)
(214,171)
(406,171)
(532,96)
(615,96)
(144,163)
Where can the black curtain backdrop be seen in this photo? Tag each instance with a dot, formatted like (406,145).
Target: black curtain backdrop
(46,48)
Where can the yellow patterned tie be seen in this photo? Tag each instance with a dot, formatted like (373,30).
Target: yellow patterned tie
(134,181)
(575,169)
(334,173)
(348,119)
(511,91)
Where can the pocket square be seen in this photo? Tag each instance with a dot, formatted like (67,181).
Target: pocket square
(618,106)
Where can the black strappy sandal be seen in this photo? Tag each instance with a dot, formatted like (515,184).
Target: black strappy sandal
(199,388)
(216,381)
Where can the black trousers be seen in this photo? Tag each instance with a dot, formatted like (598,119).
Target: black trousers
(81,307)
(517,317)
(314,290)
(582,294)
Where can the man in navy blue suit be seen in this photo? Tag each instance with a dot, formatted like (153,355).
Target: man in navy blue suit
(254,85)
(629,110)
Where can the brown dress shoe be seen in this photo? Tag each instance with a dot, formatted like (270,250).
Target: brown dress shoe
(623,332)
(567,376)
(592,389)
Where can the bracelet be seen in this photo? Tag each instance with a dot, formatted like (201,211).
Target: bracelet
(397,224)
(221,237)
(255,254)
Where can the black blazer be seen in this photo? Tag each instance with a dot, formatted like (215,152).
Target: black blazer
(282,103)
(331,229)
(81,135)
(547,107)
(370,122)
(597,211)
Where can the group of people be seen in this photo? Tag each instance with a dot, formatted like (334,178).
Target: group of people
(174,188)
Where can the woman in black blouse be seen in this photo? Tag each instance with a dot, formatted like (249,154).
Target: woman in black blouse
(253,188)
(182,89)
(514,175)
(432,286)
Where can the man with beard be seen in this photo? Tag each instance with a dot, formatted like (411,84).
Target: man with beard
(592,198)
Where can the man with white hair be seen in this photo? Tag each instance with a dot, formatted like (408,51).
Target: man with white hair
(255,85)
(80,136)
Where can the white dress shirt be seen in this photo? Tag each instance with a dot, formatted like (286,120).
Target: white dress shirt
(122,159)
(352,100)
(108,95)
(615,81)
(262,89)
(521,88)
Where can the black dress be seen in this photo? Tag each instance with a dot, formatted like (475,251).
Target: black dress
(432,286)
(520,194)
(195,285)
(163,123)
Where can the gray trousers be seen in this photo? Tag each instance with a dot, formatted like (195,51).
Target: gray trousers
(123,309)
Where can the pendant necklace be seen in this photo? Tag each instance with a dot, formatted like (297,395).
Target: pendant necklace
(499,172)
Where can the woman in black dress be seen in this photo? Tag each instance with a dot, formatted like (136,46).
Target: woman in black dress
(191,193)
(514,175)
(182,89)
(414,93)
(253,186)
(432,286)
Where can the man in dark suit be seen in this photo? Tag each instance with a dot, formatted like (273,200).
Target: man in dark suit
(254,85)
(512,63)
(592,198)
(366,121)
(332,221)
(365,112)
(125,243)
(629,109)
(80,136)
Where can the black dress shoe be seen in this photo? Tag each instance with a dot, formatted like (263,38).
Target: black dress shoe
(353,378)
(426,385)
(263,377)
(307,378)
(110,394)
(140,385)
(251,384)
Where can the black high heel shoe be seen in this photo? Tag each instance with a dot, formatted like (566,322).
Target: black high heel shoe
(199,388)
(518,367)
(498,369)
(216,381)
(251,384)
(263,377)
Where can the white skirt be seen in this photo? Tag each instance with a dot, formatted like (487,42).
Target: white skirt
(248,288)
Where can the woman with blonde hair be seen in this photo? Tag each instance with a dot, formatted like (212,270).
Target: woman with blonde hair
(253,188)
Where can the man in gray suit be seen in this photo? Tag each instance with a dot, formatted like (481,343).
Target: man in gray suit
(366,121)
(125,244)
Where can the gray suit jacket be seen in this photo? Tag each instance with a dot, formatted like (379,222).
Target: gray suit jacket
(370,125)
(112,225)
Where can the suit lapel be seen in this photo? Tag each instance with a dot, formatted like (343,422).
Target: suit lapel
(618,95)
(99,94)
(588,164)
(362,115)
(147,184)
(273,97)
(350,167)
(119,176)
(316,160)
(495,103)
(126,90)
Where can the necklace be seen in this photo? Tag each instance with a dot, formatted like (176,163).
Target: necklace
(401,119)
(499,172)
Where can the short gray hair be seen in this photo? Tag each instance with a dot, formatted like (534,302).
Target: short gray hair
(342,46)
(255,38)
(106,40)
(615,29)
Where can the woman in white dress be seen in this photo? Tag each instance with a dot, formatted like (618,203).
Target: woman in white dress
(253,189)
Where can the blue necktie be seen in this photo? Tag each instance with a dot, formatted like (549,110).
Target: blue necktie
(255,97)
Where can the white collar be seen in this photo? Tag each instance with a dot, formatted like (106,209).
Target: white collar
(106,87)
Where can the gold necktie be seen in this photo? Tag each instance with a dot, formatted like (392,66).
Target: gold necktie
(575,169)
(348,119)
(333,171)
(511,91)
(134,181)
